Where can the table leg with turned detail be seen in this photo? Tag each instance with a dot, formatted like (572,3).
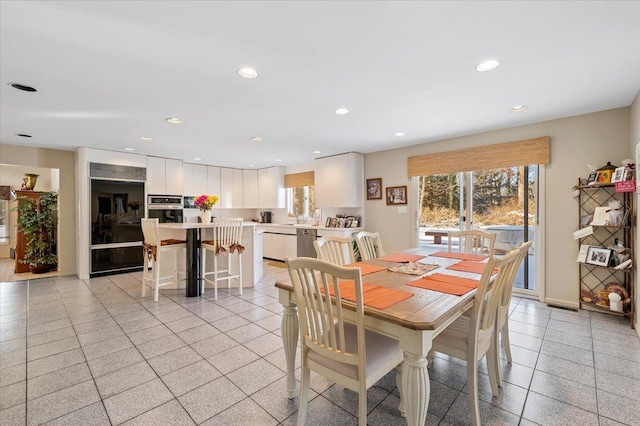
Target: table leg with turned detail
(290,329)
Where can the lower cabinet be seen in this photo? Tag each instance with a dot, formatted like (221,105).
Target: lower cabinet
(279,246)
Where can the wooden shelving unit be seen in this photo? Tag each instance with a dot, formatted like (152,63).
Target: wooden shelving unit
(594,277)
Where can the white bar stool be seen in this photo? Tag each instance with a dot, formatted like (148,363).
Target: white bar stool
(227,235)
(153,248)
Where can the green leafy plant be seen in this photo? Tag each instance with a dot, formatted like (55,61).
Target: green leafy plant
(37,219)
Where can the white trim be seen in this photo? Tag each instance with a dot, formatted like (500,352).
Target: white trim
(540,239)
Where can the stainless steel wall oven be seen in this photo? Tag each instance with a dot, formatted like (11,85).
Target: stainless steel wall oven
(167,208)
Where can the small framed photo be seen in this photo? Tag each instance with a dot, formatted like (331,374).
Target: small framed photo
(598,256)
(396,195)
(334,222)
(354,221)
(374,189)
(328,223)
(347,222)
(619,174)
(593,178)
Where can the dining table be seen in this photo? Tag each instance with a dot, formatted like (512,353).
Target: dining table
(414,322)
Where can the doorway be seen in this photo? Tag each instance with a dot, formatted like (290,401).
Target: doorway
(502,201)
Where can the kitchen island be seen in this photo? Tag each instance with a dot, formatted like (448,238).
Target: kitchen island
(196,232)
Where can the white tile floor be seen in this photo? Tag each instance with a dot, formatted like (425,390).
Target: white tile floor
(93,352)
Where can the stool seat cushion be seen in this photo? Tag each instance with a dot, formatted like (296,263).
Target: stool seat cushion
(171,242)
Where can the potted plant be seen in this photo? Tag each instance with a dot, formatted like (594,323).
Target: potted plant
(38,219)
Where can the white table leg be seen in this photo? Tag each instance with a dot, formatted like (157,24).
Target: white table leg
(415,388)
(290,330)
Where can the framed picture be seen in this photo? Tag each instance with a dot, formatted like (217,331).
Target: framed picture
(619,174)
(347,222)
(396,195)
(334,222)
(598,256)
(593,178)
(328,223)
(374,189)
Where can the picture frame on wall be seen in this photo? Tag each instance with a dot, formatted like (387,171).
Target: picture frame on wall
(396,195)
(374,189)
(598,256)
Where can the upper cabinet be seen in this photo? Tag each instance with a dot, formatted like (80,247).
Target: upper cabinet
(271,193)
(195,180)
(339,181)
(231,191)
(164,176)
(213,183)
(250,184)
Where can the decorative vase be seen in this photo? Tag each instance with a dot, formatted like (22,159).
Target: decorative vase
(30,181)
(205,216)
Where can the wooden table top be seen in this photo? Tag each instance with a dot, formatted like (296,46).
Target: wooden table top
(426,310)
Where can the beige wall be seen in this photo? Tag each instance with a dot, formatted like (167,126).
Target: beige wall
(63,161)
(577,143)
(634,139)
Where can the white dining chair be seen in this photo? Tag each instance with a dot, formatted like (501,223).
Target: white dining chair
(344,352)
(337,250)
(502,317)
(472,337)
(226,241)
(472,241)
(154,248)
(369,245)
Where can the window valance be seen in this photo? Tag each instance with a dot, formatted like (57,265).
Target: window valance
(295,180)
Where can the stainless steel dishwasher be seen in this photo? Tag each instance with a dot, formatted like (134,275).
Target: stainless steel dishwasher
(306,237)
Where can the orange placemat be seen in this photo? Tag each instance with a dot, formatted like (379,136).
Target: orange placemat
(461,256)
(446,284)
(401,258)
(365,268)
(375,296)
(470,266)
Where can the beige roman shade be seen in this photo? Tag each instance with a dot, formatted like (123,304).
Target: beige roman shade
(509,154)
(295,180)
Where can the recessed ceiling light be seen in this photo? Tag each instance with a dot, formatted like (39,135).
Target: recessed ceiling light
(518,108)
(174,120)
(316,152)
(197,158)
(278,160)
(251,165)
(256,138)
(23,135)
(146,138)
(489,65)
(342,111)
(249,73)
(23,87)
(129,149)
(400,134)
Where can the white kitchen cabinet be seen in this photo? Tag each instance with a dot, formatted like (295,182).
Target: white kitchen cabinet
(200,180)
(187,179)
(279,242)
(213,183)
(164,176)
(290,246)
(271,191)
(173,176)
(339,181)
(238,190)
(267,245)
(231,188)
(250,189)
(226,188)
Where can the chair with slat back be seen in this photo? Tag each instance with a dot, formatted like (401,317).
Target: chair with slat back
(337,250)
(472,241)
(154,248)
(369,245)
(227,237)
(502,317)
(344,352)
(472,337)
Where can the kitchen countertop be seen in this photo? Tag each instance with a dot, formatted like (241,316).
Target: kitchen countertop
(305,226)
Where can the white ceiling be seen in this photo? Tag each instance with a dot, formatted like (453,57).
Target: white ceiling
(109,72)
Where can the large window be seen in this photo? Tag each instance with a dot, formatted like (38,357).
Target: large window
(300,202)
